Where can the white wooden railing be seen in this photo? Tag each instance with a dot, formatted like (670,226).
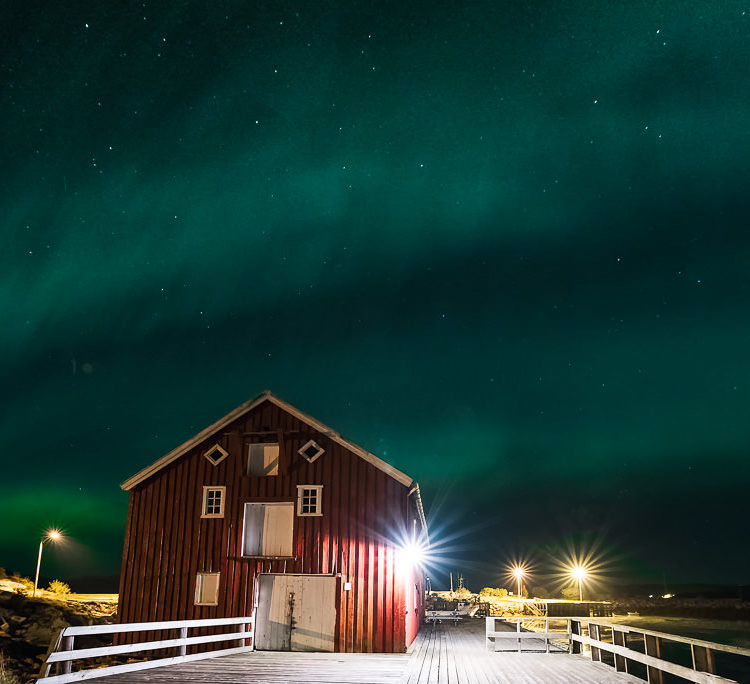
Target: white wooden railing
(530,635)
(63,653)
(594,636)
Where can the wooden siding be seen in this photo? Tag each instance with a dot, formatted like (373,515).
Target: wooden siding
(365,512)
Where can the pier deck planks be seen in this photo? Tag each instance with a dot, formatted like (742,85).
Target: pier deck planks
(441,654)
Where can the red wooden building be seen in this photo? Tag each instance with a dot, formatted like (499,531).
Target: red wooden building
(270,513)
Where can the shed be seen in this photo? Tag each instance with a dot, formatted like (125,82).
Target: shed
(268,512)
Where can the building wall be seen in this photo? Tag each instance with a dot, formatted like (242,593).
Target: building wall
(414,602)
(414,584)
(364,514)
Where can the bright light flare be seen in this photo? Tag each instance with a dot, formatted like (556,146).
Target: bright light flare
(516,571)
(414,553)
(579,573)
(579,567)
(54,535)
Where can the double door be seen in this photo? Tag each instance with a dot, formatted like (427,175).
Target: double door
(295,613)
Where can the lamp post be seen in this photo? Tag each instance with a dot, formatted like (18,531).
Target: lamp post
(49,535)
(579,573)
(518,572)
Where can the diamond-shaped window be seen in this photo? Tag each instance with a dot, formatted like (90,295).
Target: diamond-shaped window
(311,450)
(216,454)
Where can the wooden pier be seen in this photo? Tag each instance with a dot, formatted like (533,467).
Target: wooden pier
(441,654)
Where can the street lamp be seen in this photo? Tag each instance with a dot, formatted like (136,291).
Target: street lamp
(518,572)
(579,573)
(50,535)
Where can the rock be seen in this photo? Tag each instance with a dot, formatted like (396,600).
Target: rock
(42,633)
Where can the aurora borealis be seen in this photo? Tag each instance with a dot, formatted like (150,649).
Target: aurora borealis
(502,245)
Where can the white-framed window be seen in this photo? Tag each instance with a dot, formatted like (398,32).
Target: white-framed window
(263,459)
(216,454)
(309,500)
(213,502)
(267,529)
(311,450)
(207,589)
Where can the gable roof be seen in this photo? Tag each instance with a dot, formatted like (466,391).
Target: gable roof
(249,406)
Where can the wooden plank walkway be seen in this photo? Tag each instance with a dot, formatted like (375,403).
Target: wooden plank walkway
(441,654)
(456,654)
(258,667)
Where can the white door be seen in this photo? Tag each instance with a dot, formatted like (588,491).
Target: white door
(296,613)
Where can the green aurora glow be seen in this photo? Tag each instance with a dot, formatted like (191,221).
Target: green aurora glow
(503,246)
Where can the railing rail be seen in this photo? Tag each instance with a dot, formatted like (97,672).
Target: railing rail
(62,653)
(521,635)
(701,671)
(702,652)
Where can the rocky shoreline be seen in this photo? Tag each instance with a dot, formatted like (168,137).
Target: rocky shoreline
(28,625)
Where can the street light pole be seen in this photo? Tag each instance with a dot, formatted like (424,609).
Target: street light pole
(579,573)
(518,572)
(38,564)
(51,535)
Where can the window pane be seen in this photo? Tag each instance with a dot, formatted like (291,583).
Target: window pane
(309,500)
(263,459)
(277,530)
(207,588)
(253,530)
(268,529)
(213,501)
(271,459)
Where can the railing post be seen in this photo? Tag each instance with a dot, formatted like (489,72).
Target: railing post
(620,639)
(652,645)
(546,631)
(183,635)
(491,627)
(575,629)
(703,658)
(67,645)
(594,633)
(243,641)
(518,631)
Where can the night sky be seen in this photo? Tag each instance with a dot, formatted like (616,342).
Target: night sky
(503,245)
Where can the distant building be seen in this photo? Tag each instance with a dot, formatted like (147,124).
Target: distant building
(270,513)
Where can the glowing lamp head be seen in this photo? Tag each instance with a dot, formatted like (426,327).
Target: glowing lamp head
(413,554)
(54,535)
(578,572)
(518,572)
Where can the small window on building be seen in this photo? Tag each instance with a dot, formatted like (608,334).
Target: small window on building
(309,500)
(207,589)
(267,529)
(263,459)
(216,454)
(311,450)
(416,596)
(213,502)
